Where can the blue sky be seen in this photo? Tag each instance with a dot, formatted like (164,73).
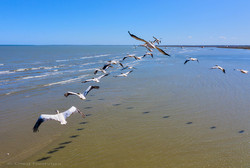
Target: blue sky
(108,21)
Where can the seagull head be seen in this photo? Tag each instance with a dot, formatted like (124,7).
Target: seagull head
(57,111)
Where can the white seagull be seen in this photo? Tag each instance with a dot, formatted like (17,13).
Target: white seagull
(148,53)
(242,71)
(95,79)
(124,74)
(61,117)
(219,67)
(129,55)
(158,41)
(114,62)
(191,59)
(148,44)
(82,95)
(139,58)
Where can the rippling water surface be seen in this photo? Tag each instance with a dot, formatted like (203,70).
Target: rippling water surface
(164,114)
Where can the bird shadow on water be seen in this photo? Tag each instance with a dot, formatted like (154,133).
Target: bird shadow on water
(189,122)
(74,136)
(241,131)
(65,143)
(43,158)
(129,108)
(84,122)
(165,116)
(88,107)
(79,129)
(60,147)
(116,104)
(87,115)
(145,112)
(213,127)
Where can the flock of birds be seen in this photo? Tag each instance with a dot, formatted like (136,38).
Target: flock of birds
(149,45)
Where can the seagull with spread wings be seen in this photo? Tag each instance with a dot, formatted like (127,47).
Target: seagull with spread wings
(129,56)
(242,71)
(148,53)
(148,44)
(95,79)
(124,74)
(61,117)
(82,95)
(191,59)
(158,41)
(219,67)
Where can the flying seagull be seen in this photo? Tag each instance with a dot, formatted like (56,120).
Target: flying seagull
(148,53)
(219,67)
(191,59)
(106,66)
(139,58)
(242,71)
(148,44)
(114,62)
(124,74)
(129,55)
(61,117)
(95,79)
(158,41)
(80,95)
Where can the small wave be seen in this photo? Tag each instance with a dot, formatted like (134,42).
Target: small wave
(89,63)
(37,68)
(1,64)
(5,72)
(62,60)
(40,76)
(66,81)
(91,69)
(96,56)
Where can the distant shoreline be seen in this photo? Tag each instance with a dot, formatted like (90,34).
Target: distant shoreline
(182,46)
(217,46)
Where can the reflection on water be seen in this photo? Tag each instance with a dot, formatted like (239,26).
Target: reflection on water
(164,114)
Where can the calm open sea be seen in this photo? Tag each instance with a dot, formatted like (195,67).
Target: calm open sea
(164,114)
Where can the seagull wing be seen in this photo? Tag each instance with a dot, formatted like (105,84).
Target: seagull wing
(124,58)
(137,38)
(88,80)
(89,89)
(163,52)
(186,61)
(121,64)
(43,118)
(96,71)
(70,93)
(70,111)
(102,76)
(128,72)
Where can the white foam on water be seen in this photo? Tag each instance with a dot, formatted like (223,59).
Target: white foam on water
(5,72)
(96,56)
(62,60)
(66,81)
